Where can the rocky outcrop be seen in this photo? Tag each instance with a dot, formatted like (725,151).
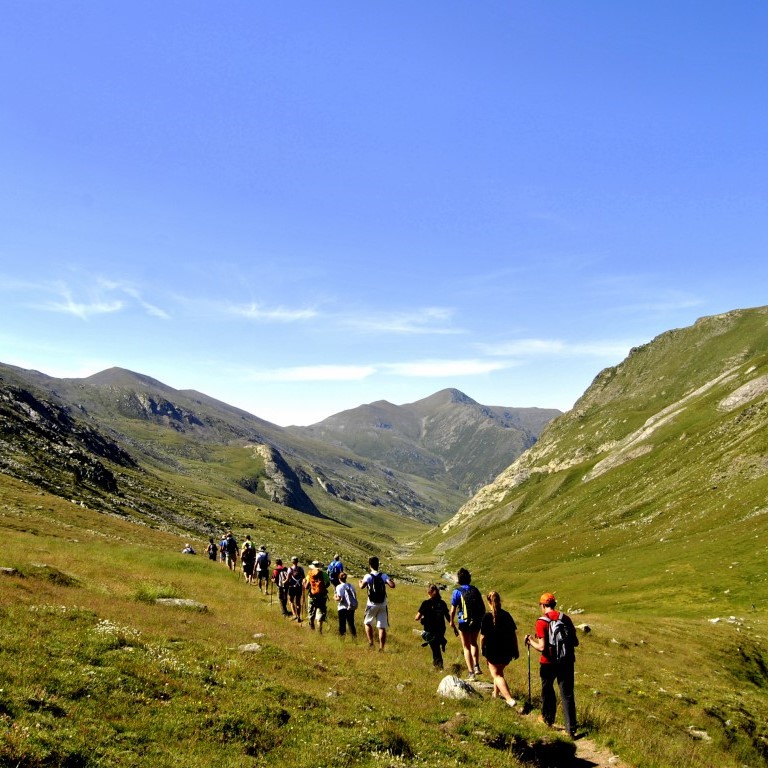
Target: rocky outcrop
(43,443)
(282,484)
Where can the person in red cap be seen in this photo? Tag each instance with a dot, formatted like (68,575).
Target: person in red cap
(555,639)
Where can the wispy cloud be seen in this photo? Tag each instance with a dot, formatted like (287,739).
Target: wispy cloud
(521,348)
(100,296)
(67,305)
(315,373)
(428,320)
(441,368)
(412,369)
(255,311)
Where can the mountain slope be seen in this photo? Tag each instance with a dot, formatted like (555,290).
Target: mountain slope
(191,434)
(446,434)
(664,458)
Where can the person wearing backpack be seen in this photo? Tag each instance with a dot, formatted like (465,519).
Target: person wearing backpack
(317,584)
(555,639)
(498,644)
(280,580)
(295,587)
(347,603)
(212,550)
(232,551)
(335,567)
(467,604)
(248,559)
(433,613)
(376,611)
(262,569)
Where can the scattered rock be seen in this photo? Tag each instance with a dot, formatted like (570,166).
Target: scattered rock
(452,687)
(9,572)
(181,602)
(585,628)
(249,648)
(698,734)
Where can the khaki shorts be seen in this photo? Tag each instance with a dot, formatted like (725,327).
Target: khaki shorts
(376,615)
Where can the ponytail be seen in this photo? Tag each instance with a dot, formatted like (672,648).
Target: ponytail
(494,603)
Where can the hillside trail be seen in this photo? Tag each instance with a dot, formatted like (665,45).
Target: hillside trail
(590,755)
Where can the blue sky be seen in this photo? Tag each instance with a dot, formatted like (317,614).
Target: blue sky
(301,207)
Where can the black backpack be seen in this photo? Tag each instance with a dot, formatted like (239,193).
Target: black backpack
(560,638)
(377,589)
(472,608)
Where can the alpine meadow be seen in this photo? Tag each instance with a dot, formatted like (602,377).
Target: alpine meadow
(644,509)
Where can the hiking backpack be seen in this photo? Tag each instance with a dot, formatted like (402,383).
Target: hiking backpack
(349,597)
(472,607)
(317,585)
(377,589)
(262,562)
(334,569)
(560,640)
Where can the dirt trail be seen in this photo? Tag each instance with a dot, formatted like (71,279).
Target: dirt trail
(589,755)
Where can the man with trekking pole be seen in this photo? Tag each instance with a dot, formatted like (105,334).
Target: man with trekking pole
(555,639)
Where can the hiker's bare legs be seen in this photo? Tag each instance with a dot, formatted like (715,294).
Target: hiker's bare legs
(469,646)
(499,683)
(382,639)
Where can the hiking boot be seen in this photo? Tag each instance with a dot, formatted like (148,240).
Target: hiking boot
(471,677)
(511,702)
(478,671)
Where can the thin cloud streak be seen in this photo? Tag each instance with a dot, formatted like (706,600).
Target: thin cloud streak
(315,373)
(441,368)
(255,311)
(430,320)
(414,369)
(556,348)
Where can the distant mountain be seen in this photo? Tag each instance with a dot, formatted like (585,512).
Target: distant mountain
(445,435)
(134,430)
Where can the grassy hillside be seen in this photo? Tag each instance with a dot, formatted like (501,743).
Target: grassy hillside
(94,673)
(646,508)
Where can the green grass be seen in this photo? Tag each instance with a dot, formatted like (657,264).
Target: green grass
(94,673)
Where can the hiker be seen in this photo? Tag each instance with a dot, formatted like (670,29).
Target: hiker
(212,550)
(262,569)
(467,602)
(498,644)
(231,551)
(376,605)
(295,587)
(223,549)
(188,550)
(347,603)
(280,580)
(316,584)
(248,559)
(433,613)
(335,567)
(555,639)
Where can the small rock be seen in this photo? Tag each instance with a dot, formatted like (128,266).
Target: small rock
(181,602)
(249,648)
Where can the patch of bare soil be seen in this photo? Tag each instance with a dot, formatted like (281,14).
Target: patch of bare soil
(589,755)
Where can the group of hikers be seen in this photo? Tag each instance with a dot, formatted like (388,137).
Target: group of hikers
(492,634)
(488,632)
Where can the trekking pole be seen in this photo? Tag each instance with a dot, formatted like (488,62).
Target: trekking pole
(529,676)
